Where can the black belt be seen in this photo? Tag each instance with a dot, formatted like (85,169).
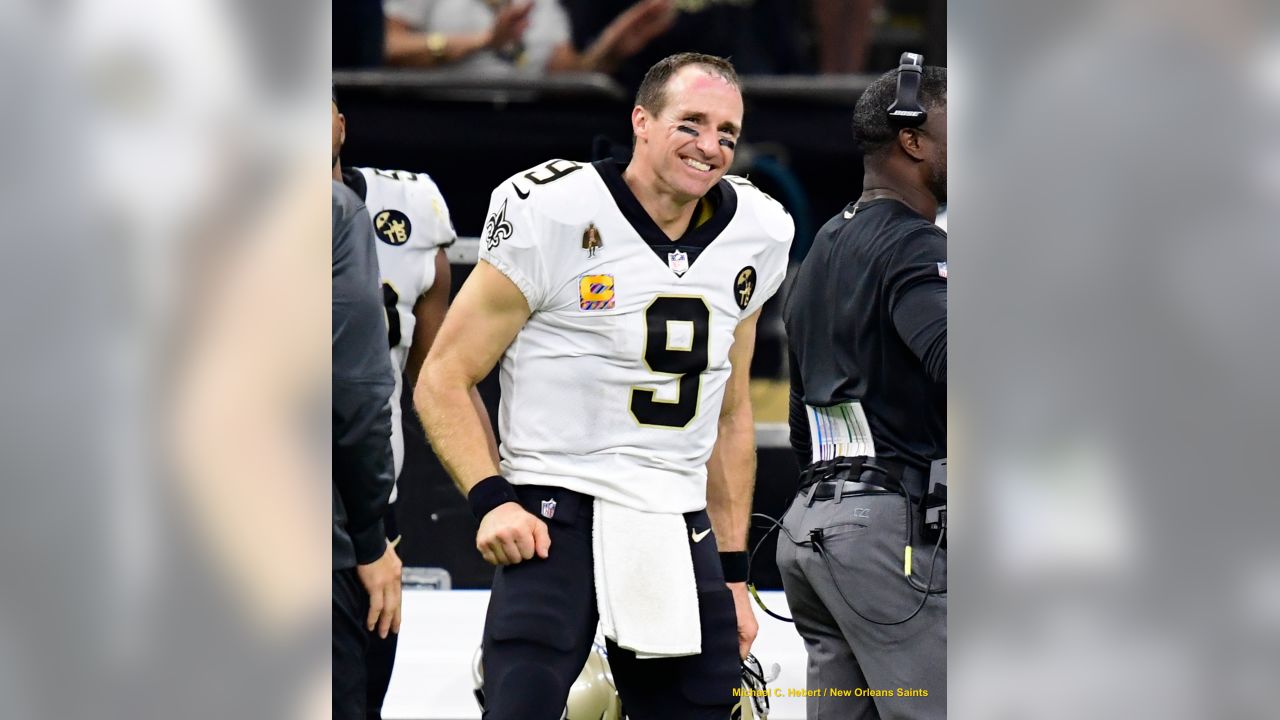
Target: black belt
(827,489)
(860,475)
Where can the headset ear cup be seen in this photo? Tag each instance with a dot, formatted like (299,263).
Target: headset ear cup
(906,111)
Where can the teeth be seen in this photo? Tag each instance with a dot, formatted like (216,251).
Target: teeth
(697,165)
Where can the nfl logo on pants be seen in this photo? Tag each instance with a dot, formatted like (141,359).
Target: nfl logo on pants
(548,508)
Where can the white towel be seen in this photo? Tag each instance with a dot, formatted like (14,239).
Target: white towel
(645,587)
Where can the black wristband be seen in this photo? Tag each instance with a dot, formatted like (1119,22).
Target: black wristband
(735,566)
(488,494)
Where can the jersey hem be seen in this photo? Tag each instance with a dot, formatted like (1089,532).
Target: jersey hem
(595,490)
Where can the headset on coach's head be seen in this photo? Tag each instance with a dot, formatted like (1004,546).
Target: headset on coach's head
(906,111)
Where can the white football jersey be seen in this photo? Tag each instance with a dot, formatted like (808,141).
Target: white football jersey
(410,222)
(614,385)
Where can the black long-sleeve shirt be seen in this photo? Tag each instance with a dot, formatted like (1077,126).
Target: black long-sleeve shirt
(867,320)
(363,471)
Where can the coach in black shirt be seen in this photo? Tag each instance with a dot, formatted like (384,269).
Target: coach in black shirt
(366,571)
(867,325)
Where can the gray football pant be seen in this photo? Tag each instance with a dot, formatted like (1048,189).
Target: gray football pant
(864,538)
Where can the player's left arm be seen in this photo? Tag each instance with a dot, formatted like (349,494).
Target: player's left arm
(918,299)
(429,313)
(731,471)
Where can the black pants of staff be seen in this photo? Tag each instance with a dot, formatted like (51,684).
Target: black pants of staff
(883,672)
(350,643)
(362,661)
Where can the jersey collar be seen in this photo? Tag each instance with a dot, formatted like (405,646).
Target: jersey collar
(694,240)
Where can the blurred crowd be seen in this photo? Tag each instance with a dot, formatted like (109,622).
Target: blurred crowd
(624,37)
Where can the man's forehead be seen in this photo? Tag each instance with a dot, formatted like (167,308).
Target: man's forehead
(696,89)
(697,76)
(694,78)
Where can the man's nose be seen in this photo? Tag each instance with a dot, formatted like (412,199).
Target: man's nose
(707,143)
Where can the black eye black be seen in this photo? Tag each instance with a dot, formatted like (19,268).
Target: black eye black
(728,143)
(687,129)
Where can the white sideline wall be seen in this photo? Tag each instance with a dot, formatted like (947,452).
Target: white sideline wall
(440,631)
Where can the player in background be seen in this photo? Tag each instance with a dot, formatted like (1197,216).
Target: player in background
(412,228)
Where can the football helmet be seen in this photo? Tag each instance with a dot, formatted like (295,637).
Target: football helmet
(754,703)
(591,697)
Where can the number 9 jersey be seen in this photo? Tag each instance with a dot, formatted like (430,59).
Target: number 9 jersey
(614,385)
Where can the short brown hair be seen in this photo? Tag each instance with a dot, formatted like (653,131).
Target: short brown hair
(652,94)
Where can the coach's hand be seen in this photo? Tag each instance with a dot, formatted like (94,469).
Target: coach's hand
(747,625)
(381,578)
(509,534)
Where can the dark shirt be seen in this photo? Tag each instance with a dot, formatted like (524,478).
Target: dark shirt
(363,472)
(867,320)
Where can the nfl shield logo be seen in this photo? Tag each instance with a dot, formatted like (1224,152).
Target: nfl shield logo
(678,261)
(548,509)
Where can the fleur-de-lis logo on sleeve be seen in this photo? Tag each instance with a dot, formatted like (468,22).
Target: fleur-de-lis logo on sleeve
(496,228)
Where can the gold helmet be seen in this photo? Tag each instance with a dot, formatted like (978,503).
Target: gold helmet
(591,697)
(754,702)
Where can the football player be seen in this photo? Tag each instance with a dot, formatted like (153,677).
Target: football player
(412,229)
(622,302)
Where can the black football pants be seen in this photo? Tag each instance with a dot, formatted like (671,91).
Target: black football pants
(542,620)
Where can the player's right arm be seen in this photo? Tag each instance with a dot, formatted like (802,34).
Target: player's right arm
(429,313)
(482,322)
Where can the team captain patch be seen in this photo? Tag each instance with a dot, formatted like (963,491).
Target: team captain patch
(595,292)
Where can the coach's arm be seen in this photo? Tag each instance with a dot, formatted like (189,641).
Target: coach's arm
(731,471)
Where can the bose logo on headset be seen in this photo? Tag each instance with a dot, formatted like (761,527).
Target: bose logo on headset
(906,112)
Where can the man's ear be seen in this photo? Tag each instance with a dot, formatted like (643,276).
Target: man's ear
(342,129)
(909,141)
(640,123)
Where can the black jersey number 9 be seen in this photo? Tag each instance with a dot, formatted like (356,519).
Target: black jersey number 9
(688,360)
